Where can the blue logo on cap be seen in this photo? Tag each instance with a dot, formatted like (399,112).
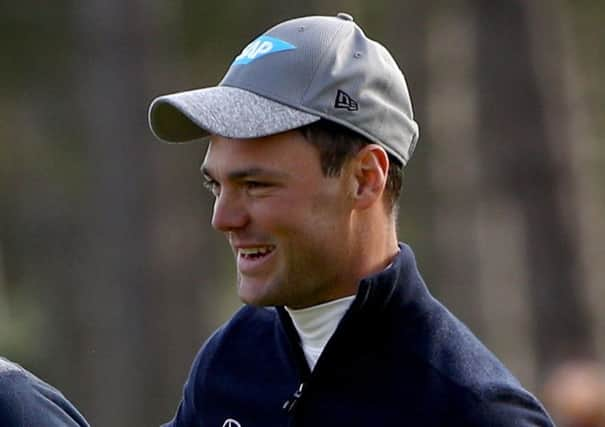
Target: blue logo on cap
(264,45)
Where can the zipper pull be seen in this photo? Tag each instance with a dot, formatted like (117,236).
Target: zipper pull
(289,404)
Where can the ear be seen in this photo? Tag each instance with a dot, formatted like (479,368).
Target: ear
(370,171)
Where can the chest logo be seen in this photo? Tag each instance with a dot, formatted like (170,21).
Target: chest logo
(230,422)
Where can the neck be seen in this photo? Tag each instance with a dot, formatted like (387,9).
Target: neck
(375,243)
(372,247)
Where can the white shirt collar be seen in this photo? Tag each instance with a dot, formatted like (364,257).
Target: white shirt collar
(316,324)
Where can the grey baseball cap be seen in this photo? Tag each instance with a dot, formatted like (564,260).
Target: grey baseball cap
(294,74)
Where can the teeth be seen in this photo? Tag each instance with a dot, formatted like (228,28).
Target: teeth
(261,250)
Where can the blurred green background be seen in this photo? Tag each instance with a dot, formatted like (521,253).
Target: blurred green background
(110,274)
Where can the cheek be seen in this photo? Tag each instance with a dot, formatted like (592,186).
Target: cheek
(283,210)
(276,217)
(321,211)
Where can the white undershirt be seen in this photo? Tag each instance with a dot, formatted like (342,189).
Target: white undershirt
(315,325)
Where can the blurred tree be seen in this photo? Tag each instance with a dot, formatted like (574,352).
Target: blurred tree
(145,256)
(525,141)
(454,163)
(112,291)
(584,37)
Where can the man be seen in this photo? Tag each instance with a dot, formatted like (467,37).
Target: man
(27,401)
(309,131)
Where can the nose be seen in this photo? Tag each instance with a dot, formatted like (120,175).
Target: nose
(229,213)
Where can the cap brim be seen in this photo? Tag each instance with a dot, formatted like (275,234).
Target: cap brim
(226,111)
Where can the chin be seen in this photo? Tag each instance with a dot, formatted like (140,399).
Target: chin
(254,294)
(258,301)
(260,291)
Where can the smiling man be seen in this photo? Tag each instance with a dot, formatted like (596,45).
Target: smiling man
(309,132)
(291,227)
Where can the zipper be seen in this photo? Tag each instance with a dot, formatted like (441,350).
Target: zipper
(290,404)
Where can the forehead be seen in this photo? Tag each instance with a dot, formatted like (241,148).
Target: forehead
(285,151)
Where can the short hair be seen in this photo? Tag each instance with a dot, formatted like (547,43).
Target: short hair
(337,144)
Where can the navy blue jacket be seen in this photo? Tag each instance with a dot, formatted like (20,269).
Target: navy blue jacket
(27,401)
(397,358)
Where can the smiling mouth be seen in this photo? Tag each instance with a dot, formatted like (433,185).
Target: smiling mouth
(255,253)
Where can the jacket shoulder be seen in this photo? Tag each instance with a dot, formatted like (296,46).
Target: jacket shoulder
(232,352)
(13,381)
(25,400)
(486,392)
(247,329)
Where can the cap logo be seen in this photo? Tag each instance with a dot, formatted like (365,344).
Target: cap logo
(264,45)
(343,100)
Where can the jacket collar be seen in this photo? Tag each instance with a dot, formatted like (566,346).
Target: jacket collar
(401,282)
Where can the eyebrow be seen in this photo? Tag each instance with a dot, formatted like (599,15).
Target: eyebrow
(247,173)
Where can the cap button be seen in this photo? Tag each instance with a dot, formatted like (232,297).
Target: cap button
(344,16)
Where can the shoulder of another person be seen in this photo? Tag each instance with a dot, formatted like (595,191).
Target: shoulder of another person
(8,368)
(15,383)
(12,378)
(26,400)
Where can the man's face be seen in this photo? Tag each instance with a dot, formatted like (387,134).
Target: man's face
(287,223)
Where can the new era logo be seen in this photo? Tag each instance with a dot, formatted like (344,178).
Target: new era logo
(343,100)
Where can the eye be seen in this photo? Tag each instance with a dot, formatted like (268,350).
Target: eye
(212,186)
(257,187)
(255,184)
